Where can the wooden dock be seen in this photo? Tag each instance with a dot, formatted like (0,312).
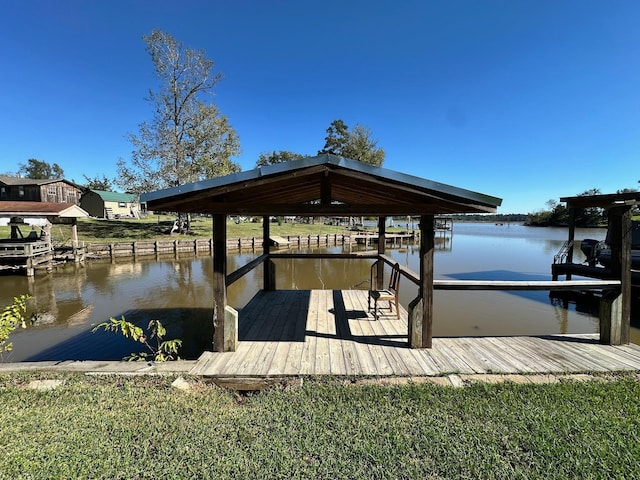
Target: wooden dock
(25,254)
(278,241)
(390,238)
(330,332)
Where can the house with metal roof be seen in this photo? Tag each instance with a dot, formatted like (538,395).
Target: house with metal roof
(103,204)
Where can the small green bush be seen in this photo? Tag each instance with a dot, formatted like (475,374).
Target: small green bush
(161,351)
(12,315)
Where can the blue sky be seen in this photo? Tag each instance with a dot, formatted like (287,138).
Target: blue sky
(523,100)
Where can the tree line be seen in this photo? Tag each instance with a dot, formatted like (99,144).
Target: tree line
(557,215)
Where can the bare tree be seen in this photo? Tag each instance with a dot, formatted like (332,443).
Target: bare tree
(188,139)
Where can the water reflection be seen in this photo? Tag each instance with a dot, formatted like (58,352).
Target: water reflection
(68,302)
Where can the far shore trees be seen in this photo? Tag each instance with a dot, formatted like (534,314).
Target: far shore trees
(41,170)
(558,215)
(356,144)
(188,138)
(274,157)
(97,183)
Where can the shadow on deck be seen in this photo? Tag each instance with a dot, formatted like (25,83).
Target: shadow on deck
(331,332)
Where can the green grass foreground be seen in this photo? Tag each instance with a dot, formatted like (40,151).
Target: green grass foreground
(141,428)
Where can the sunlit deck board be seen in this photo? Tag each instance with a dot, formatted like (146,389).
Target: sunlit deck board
(322,332)
(368,337)
(297,346)
(585,357)
(351,361)
(518,356)
(451,357)
(278,316)
(538,363)
(311,339)
(628,354)
(337,364)
(327,332)
(563,359)
(366,357)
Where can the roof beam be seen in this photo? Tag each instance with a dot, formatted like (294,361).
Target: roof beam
(315,210)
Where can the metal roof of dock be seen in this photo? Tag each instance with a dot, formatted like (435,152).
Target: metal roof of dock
(607,200)
(321,185)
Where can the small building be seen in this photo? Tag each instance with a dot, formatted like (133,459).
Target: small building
(103,204)
(57,190)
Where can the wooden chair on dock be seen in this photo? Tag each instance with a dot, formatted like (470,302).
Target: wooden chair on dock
(389,294)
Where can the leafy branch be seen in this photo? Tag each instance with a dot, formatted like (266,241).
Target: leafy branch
(12,315)
(160,351)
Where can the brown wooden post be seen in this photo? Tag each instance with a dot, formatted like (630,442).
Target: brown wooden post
(620,239)
(415,322)
(219,282)
(382,242)
(269,266)
(74,232)
(421,310)
(572,236)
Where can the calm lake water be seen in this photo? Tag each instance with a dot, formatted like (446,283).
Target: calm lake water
(70,301)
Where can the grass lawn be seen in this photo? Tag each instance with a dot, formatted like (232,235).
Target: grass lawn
(153,228)
(141,428)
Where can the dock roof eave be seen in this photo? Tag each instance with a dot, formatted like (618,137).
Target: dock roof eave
(323,185)
(603,200)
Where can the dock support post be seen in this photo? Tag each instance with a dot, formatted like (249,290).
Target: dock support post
(422,314)
(269,266)
(220,336)
(415,322)
(611,324)
(572,236)
(620,228)
(381,250)
(230,329)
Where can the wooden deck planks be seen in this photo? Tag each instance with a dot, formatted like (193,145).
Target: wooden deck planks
(326,332)
(366,358)
(293,362)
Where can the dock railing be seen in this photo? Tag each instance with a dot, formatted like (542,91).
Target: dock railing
(24,249)
(610,310)
(563,253)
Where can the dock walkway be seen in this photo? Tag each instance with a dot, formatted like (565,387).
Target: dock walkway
(331,332)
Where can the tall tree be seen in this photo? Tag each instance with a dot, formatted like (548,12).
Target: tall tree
(356,144)
(187,139)
(336,139)
(97,183)
(39,169)
(274,157)
(210,143)
(360,146)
